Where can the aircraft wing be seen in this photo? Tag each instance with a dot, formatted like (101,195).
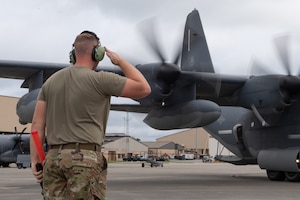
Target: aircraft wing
(219,88)
(25,70)
(131,108)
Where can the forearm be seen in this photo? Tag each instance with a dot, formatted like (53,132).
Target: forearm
(39,125)
(136,85)
(131,72)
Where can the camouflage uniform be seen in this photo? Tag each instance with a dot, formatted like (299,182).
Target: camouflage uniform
(74,174)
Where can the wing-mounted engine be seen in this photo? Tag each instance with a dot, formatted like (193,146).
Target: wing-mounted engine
(173,89)
(269,95)
(175,105)
(26,104)
(161,77)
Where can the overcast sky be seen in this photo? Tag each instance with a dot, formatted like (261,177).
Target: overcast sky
(237,33)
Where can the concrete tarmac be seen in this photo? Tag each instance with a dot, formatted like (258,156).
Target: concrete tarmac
(188,180)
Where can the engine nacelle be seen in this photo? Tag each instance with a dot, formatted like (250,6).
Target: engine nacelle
(26,106)
(265,93)
(161,77)
(191,114)
(286,160)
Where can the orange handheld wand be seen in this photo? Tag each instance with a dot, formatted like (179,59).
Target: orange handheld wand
(40,150)
(38,145)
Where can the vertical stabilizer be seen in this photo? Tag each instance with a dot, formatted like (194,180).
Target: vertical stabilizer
(195,53)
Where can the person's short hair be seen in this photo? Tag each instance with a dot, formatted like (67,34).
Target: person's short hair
(91,33)
(85,43)
(86,36)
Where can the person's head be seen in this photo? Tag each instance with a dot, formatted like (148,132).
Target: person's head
(87,44)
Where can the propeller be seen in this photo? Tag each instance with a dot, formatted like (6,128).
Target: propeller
(147,29)
(148,32)
(289,84)
(258,69)
(167,73)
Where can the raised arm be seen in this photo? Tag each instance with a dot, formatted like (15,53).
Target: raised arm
(136,85)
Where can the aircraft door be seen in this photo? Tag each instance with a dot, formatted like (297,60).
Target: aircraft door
(238,134)
(239,137)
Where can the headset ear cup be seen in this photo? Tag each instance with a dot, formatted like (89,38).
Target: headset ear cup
(98,53)
(72,56)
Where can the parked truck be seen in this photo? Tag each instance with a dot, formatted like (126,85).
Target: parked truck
(187,156)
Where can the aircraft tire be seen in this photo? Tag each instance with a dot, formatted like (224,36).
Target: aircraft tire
(293,176)
(5,164)
(275,175)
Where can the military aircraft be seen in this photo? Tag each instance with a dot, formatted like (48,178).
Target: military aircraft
(12,145)
(255,117)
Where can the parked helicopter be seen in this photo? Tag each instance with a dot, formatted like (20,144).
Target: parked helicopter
(12,145)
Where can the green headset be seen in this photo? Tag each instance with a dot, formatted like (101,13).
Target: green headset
(97,53)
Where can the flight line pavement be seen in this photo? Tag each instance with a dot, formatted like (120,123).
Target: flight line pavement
(184,180)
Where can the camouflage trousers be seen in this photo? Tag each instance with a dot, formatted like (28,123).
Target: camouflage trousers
(74,174)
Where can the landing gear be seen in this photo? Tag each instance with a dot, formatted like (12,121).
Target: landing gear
(4,164)
(275,175)
(292,176)
(281,176)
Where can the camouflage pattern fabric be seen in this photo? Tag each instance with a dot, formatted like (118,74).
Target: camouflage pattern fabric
(74,174)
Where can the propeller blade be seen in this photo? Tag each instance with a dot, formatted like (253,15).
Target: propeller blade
(148,31)
(23,130)
(259,69)
(16,132)
(18,140)
(16,143)
(177,56)
(282,49)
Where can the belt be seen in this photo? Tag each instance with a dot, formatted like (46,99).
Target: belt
(82,146)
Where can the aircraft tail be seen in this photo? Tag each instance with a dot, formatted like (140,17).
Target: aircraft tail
(195,53)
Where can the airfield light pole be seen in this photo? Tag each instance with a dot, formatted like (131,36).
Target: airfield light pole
(127,132)
(196,143)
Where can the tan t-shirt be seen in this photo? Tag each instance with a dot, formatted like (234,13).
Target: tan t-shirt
(78,104)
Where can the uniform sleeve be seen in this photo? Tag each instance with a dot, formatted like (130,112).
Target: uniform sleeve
(112,84)
(41,95)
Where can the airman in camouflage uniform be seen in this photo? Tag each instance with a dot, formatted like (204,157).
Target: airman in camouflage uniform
(75,166)
(73,108)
